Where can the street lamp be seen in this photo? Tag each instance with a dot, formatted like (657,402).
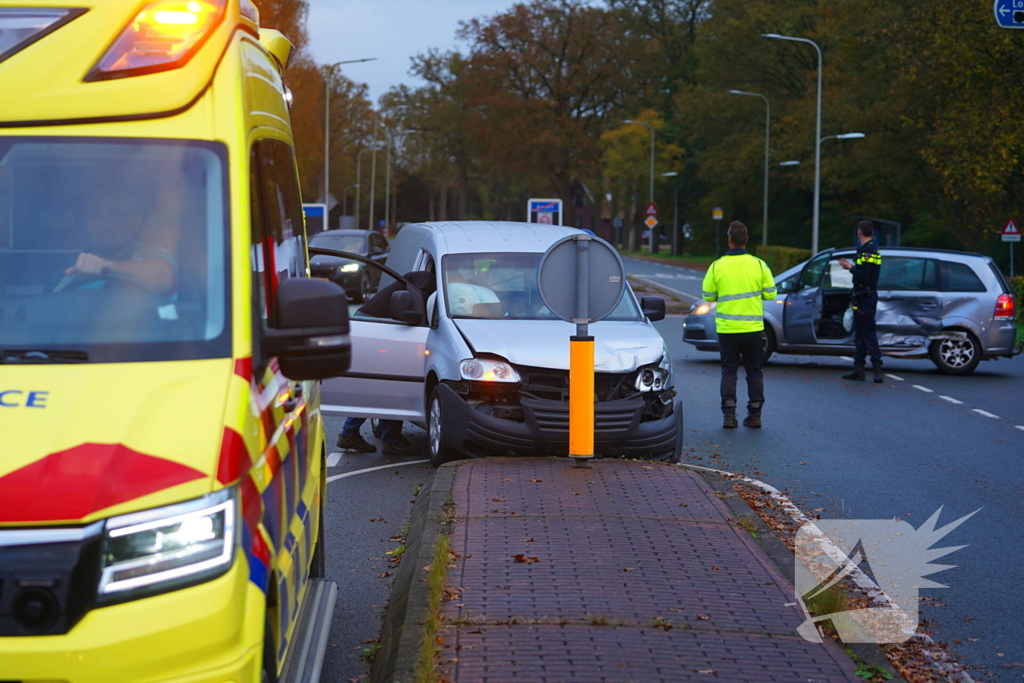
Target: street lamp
(817,140)
(359,179)
(789,163)
(328,72)
(844,136)
(675,216)
(767,141)
(650,241)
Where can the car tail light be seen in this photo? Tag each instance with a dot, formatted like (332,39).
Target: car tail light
(164,35)
(1004,307)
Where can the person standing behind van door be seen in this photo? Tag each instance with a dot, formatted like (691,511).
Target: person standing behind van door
(865,302)
(740,283)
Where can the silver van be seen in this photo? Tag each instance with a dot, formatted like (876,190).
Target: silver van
(955,308)
(483,365)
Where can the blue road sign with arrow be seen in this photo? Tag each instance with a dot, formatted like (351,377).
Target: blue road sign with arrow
(1009,13)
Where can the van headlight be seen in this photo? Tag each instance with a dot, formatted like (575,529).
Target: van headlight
(655,377)
(488,371)
(164,549)
(703,308)
(349,268)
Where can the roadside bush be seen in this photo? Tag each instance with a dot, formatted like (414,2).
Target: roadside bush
(1018,286)
(782,258)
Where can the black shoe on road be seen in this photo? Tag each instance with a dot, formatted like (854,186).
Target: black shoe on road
(730,422)
(752,421)
(400,447)
(355,443)
(857,375)
(879,376)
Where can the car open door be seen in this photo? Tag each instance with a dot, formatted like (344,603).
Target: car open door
(387,374)
(803,307)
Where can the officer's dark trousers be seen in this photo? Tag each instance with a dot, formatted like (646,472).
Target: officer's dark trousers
(745,348)
(864,307)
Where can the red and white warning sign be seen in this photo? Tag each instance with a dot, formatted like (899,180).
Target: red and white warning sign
(651,210)
(1011,233)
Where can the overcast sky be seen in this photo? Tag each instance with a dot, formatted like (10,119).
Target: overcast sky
(390,30)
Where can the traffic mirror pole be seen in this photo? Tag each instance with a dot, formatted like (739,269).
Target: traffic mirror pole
(581,364)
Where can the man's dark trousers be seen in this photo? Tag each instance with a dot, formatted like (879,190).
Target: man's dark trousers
(745,348)
(864,329)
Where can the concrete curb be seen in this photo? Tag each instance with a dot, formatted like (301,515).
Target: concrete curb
(401,632)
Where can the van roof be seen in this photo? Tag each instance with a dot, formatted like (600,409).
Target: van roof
(484,236)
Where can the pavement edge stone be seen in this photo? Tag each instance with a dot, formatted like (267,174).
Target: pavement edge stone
(401,631)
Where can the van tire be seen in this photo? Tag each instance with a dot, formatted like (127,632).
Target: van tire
(439,452)
(269,667)
(956,357)
(318,563)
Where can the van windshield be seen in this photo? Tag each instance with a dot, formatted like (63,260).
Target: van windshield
(503,286)
(112,250)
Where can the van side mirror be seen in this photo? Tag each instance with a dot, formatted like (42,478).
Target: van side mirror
(311,338)
(653,308)
(407,307)
(787,286)
(376,251)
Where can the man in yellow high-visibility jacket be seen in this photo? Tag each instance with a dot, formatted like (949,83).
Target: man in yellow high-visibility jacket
(739,283)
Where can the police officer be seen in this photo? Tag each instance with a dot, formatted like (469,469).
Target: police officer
(740,282)
(864,301)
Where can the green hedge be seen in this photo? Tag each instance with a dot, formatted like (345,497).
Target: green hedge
(780,259)
(1018,286)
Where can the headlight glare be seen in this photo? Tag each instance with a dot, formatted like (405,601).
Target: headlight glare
(703,308)
(349,268)
(169,547)
(488,371)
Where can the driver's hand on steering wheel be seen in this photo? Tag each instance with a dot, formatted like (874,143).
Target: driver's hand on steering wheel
(89,264)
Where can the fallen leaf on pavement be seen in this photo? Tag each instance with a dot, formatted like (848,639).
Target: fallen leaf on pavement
(803,462)
(629,569)
(575,494)
(529,540)
(506,480)
(703,617)
(536,481)
(714,568)
(523,558)
(379,519)
(705,671)
(504,588)
(645,467)
(497,500)
(384,575)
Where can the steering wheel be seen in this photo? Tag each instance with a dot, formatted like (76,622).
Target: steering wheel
(73,282)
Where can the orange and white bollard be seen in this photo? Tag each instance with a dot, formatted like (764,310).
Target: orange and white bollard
(581,399)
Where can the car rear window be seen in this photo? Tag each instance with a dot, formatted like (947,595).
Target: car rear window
(959,277)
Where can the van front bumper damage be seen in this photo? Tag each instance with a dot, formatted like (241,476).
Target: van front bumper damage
(531,426)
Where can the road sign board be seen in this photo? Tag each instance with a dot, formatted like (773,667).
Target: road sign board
(651,222)
(316,218)
(717,213)
(617,223)
(605,279)
(1011,233)
(651,210)
(1009,13)
(544,211)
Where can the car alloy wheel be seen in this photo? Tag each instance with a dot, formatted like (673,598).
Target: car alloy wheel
(365,287)
(435,428)
(956,356)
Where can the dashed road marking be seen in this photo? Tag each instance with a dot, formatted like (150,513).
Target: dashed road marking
(847,358)
(951,400)
(374,469)
(924,389)
(985,413)
(333,459)
(895,377)
(1020,427)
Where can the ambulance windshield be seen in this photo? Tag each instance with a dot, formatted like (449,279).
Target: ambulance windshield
(113,249)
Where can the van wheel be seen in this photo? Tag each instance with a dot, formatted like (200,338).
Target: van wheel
(318,564)
(768,343)
(365,288)
(956,356)
(439,453)
(269,667)
(375,427)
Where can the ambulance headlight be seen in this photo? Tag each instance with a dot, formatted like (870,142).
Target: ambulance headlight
(168,548)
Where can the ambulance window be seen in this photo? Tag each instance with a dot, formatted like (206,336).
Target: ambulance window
(259,282)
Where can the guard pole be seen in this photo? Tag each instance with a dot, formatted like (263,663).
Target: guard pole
(581,364)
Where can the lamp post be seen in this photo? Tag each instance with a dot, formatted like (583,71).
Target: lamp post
(359,179)
(650,241)
(817,140)
(767,142)
(387,195)
(328,72)
(675,215)
(344,198)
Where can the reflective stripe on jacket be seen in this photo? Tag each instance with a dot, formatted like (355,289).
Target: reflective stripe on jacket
(739,282)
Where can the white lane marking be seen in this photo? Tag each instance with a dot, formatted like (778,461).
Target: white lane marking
(333,459)
(1021,428)
(985,413)
(895,377)
(374,469)
(665,288)
(951,400)
(924,389)
(846,358)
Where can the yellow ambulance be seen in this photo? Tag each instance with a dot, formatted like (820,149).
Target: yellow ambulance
(162,457)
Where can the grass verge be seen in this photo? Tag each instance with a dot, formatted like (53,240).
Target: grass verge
(426,663)
(1020,332)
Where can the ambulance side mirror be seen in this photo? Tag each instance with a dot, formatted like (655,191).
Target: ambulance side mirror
(311,339)
(653,308)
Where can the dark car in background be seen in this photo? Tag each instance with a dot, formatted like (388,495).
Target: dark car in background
(359,282)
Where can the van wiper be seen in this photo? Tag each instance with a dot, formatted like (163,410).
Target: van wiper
(35,357)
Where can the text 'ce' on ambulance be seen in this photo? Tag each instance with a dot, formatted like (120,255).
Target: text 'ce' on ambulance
(162,463)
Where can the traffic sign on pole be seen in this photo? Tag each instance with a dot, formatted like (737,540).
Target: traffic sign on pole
(651,222)
(1009,13)
(1011,233)
(546,211)
(651,210)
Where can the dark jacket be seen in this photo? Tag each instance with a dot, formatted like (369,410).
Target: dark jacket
(866,268)
(380,305)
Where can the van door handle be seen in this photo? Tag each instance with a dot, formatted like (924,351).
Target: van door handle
(292,403)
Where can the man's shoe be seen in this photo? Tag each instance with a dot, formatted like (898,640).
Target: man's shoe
(752,420)
(879,376)
(730,422)
(400,447)
(856,375)
(355,443)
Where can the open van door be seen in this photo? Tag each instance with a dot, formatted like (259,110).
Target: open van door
(389,344)
(803,307)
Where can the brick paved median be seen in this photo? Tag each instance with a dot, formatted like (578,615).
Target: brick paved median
(626,572)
